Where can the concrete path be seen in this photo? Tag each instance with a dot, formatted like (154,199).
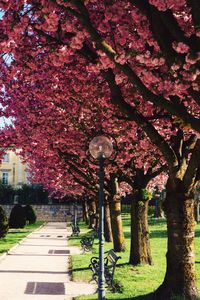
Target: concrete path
(38,268)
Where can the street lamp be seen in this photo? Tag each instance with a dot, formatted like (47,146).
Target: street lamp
(75,213)
(101,148)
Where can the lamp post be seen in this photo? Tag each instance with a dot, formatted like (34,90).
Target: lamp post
(101,148)
(75,214)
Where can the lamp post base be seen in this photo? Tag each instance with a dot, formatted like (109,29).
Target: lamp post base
(101,295)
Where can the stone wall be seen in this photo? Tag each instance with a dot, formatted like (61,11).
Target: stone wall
(52,213)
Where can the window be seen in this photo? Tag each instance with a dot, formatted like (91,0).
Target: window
(6,157)
(5,177)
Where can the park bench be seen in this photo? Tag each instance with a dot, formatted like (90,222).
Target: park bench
(75,229)
(110,262)
(87,243)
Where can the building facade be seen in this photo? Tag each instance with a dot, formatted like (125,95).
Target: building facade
(12,171)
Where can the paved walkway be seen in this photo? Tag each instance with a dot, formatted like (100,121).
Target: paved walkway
(38,268)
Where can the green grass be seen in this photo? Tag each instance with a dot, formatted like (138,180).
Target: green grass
(15,235)
(137,282)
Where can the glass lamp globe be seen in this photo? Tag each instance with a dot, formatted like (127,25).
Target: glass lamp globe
(101,146)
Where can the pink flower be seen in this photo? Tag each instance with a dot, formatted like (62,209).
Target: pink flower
(181,47)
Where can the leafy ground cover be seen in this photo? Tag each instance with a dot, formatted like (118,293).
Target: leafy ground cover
(136,282)
(15,235)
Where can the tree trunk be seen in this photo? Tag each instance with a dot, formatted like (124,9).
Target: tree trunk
(180,272)
(85,212)
(159,213)
(140,252)
(116,223)
(92,214)
(107,230)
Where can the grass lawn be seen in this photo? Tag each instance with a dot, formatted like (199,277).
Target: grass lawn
(15,235)
(137,282)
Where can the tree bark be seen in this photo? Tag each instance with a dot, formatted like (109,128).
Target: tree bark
(140,252)
(116,223)
(159,213)
(180,272)
(85,212)
(92,214)
(108,230)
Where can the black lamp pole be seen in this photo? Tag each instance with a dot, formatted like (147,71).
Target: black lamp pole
(75,214)
(101,148)
(101,277)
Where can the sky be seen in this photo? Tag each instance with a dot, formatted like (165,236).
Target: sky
(1,14)
(4,121)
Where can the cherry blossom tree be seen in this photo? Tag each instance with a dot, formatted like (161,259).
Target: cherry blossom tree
(144,57)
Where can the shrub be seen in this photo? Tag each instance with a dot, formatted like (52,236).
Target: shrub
(3,223)
(17,217)
(126,208)
(30,214)
(151,211)
(6,193)
(29,194)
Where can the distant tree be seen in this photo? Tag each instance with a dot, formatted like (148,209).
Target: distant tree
(3,223)
(6,193)
(30,194)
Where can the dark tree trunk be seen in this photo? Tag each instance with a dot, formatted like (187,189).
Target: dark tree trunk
(92,214)
(85,212)
(108,230)
(159,213)
(140,252)
(116,223)
(180,272)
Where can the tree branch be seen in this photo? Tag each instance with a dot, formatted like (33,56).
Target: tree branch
(166,29)
(117,99)
(195,13)
(193,166)
(178,110)
(69,159)
(195,95)
(157,172)
(149,118)
(177,142)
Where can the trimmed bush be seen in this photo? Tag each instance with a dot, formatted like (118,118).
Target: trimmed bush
(30,214)
(17,217)
(3,223)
